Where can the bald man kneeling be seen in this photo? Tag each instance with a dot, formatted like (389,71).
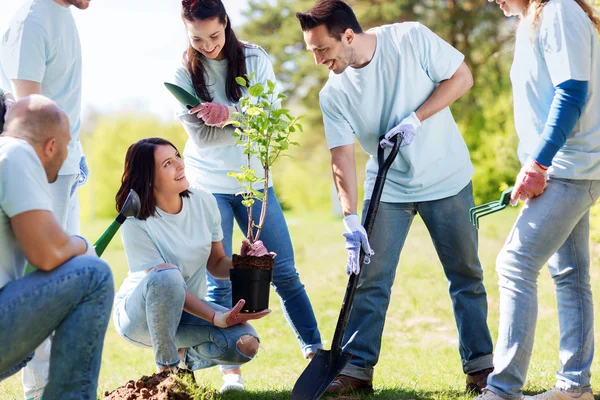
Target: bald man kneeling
(71,292)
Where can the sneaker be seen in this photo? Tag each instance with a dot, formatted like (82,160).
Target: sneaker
(488,395)
(232,382)
(344,384)
(35,398)
(478,380)
(560,394)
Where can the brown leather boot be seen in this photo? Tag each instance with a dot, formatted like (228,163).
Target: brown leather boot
(344,384)
(477,380)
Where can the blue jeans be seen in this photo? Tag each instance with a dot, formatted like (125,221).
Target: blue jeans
(455,240)
(74,301)
(552,228)
(152,316)
(275,235)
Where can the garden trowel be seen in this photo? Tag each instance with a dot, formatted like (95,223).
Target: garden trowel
(183,96)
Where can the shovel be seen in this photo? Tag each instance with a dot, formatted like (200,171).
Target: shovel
(183,96)
(326,365)
(131,208)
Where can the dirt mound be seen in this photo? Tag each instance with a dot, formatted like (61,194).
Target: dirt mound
(161,386)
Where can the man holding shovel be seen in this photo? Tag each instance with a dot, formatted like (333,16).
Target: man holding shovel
(71,292)
(40,53)
(399,80)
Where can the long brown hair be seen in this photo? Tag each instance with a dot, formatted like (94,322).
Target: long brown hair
(139,175)
(536,7)
(233,49)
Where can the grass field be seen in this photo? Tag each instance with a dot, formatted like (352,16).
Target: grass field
(419,358)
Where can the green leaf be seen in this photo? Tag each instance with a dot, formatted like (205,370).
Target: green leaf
(241,81)
(256,90)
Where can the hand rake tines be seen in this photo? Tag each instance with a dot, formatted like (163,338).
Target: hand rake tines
(489,208)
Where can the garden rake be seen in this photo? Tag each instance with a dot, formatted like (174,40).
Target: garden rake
(489,208)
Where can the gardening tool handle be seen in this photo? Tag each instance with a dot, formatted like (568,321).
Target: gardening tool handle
(384,165)
(107,236)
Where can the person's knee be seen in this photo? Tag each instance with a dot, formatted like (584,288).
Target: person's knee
(167,276)
(248,345)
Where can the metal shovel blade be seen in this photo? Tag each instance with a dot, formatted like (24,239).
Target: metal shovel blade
(132,205)
(182,95)
(318,375)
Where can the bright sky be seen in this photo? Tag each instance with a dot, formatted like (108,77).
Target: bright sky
(129,48)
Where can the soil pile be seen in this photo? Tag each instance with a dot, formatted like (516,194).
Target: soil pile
(160,386)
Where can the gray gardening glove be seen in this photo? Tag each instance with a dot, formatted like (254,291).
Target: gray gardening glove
(356,236)
(407,128)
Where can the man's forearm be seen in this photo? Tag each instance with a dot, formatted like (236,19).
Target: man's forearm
(343,166)
(446,93)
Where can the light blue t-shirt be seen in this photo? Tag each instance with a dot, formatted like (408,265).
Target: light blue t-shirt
(23,187)
(409,63)
(564,46)
(184,239)
(42,45)
(208,168)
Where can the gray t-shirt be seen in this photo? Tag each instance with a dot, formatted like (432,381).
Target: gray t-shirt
(23,187)
(184,239)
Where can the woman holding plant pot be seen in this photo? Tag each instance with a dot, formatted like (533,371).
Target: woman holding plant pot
(214,58)
(170,246)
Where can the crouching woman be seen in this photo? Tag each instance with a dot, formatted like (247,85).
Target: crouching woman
(169,247)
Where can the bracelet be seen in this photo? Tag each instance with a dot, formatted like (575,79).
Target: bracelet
(213,318)
(84,241)
(540,165)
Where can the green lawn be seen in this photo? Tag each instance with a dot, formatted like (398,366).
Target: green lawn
(419,358)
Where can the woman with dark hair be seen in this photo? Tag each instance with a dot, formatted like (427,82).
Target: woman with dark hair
(214,58)
(170,246)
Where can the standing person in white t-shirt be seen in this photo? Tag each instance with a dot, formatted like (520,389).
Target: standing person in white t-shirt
(556,89)
(214,58)
(40,53)
(399,79)
(71,290)
(170,247)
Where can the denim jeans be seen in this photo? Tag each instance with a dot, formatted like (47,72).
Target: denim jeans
(552,228)
(275,235)
(455,240)
(65,205)
(74,300)
(152,316)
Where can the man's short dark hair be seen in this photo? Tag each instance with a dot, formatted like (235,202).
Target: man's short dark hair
(336,15)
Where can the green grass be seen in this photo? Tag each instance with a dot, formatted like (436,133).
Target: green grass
(419,357)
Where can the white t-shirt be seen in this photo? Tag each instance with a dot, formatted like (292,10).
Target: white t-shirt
(409,63)
(208,168)
(23,187)
(184,239)
(42,45)
(564,46)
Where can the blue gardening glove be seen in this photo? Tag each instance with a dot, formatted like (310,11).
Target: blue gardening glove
(356,236)
(83,172)
(407,128)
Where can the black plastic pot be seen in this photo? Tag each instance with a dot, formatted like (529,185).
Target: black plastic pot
(252,285)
